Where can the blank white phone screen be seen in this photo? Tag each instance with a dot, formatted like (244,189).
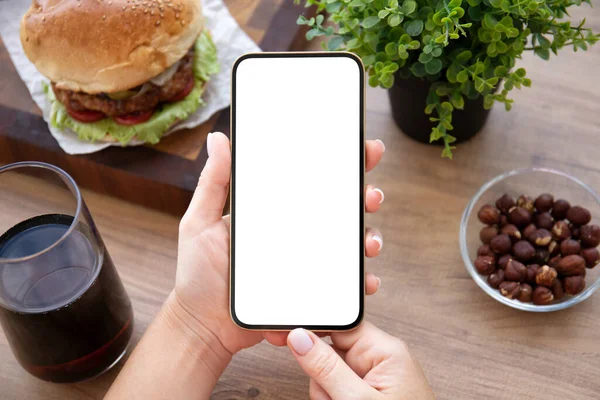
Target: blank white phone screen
(297,239)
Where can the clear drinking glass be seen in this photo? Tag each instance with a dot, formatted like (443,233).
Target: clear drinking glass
(531,181)
(63,306)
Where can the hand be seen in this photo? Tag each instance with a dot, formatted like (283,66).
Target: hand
(201,296)
(365,363)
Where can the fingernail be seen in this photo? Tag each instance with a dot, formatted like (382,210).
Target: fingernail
(381,194)
(208,142)
(378,282)
(381,142)
(300,341)
(379,241)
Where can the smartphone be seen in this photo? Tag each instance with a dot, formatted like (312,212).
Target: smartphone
(297,191)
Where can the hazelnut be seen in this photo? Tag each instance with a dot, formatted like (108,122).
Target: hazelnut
(591,257)
(515,271)
(575,231)
(485,250)
(574,284)
(487,233)
(557,289)
(561,231)
(529,230)
(553,262)
(546,276)
(542,295)
(501,244)
(503,220)
(526,293)
(553,248)
(523,251)
(570,246)
(512,231)
(485,265)
(496,278)
(589,235)
(489,215)
(526,202)
(544,220)
(579,215)
(544,202)
(510,289)
(541,255)
(532,271)
(542,237)
(560,208)
(503,261)
(571,265)
(520,216)
(505,203)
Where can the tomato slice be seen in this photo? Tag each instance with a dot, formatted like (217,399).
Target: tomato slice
(185,92)
(134,118)
(86,115)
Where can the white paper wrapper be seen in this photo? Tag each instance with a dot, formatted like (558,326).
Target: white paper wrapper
(230,39)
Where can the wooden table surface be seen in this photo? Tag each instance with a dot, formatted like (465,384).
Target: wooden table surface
(470,346)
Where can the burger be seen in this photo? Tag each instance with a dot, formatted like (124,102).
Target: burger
(120,70)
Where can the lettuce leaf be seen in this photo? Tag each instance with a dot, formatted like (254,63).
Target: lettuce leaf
(151,131)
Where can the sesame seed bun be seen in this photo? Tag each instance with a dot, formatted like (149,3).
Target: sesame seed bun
(96,46)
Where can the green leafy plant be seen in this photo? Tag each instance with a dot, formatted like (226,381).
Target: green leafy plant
(467,49)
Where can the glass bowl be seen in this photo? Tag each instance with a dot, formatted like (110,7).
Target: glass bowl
(530,181)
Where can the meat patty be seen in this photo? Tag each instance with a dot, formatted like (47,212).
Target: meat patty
(154,95)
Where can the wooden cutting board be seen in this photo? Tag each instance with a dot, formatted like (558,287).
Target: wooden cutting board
(162,176)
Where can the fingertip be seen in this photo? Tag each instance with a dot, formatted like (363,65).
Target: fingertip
(278,339)
(381,194)
(379,240)
(374,151)
(300,341)
(374,245)
(372,284)
(374,199)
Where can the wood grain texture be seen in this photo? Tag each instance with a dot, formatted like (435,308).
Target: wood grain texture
(470,346)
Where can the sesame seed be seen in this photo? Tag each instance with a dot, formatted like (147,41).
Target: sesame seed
(176,15)
(162,15)
(133,7)
(152,12)
(157,23)
(123,8)
(183,22)
(161,8)
(146,11)
(79,5)
(110,3)
(43,18)
(103,17)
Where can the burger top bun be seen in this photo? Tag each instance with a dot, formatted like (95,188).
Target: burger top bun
(108,46)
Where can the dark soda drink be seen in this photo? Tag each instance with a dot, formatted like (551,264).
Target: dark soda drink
(65,313)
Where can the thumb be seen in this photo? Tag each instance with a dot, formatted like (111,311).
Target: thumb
(326,367)
(210,196)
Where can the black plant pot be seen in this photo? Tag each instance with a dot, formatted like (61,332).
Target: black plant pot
(408,98)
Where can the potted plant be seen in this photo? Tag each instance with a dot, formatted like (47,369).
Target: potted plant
(445,62)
